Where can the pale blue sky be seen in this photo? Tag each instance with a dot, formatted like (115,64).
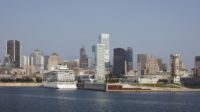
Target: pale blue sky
(159,27)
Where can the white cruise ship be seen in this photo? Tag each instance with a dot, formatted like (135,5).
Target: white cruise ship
(61,78)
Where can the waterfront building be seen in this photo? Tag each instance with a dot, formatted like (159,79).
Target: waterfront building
(123,62)
(160,64)
(104,38)
(13,51)
(90,63)
(141,63)
(175,68)
(197,66)
(72,65)
(93,56)
(152,65)
(129,59)
(53,60)
(25,64)
(119,62)
(100,62)
(38,60)
(164,67)
(83,58)
(46,62)
(24,61)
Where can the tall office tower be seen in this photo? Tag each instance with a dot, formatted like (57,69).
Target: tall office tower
(89,62)
(94,56)
(25,63)
(197,66)
(38,60)
(129,59)
(141,63)
(83,59)
(160,64)
(13,50)
(53,60)
(164,67)
(152,65)
(46,62)
(104,39)
(119,62)
(100,62)
(175,68)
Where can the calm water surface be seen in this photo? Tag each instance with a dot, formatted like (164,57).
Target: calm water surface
(22,99)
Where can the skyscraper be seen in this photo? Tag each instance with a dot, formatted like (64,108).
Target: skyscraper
(197,61)
(100,62)
(162,66)
(46,62)
(197,66)
(175,67)
(53,60)
(83,59)
(104,39)
(152,65)
(24,61)
(141,61)
(13,50)
(119,62)
(129,59)
(38,60)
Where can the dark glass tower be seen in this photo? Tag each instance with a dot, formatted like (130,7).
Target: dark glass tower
(119,61)
(13,50)
(83,59)
(142,61)
(129,59)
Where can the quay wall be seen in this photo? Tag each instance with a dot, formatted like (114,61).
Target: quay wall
(20,84)
(95,86)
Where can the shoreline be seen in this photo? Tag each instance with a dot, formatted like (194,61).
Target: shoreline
(151,89)
(20,84)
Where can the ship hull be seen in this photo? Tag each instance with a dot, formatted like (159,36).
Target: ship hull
(60,85)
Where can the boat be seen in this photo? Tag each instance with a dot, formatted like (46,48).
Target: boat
(60,77)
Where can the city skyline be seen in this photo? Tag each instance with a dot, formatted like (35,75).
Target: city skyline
(156,27)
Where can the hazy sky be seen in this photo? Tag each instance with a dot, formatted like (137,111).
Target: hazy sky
(159,27)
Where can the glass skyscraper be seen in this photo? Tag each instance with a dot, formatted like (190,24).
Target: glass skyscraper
(13,51)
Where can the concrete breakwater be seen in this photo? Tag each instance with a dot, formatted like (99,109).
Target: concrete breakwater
(130,88)
(20,84)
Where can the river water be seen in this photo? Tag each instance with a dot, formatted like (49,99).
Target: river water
(38,99)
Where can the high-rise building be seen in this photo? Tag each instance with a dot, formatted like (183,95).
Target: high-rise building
(53,60)
(83,59)
(129,59)
(13,50)
(100,62)
(94,56)
(152,65)
(104,39)
(72,65)
(46,62)
(24,61)
(197,66)
(38,60)
(90,63)
(141,63)
(162,66)
(175,68)
(119,62)
(197,61)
